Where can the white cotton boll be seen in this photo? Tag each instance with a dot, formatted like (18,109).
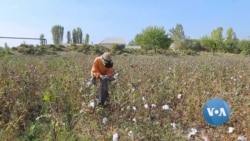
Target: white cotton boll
(83,103)
(242,138)
(89,84)
(116,75)
(104,120)
(115,137)
(153,105)
(80,90)
(179,96)
(146,106)
(173,125)
(132,90)
(233,78)
(131,134)
(192,132)
(134,120)
(205,138)
(92,104)
(81,111)
(143,98)
(230,130)
(165,107)
(134,108)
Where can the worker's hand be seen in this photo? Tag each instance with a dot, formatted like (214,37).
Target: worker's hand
(104,77)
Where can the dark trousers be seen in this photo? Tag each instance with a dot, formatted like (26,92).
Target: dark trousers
(102,90)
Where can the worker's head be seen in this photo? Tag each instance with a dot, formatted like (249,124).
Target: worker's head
(106,59)
(106,56)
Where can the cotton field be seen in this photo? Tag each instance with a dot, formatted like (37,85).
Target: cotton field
(153,97)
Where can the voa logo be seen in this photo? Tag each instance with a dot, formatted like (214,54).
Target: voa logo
(216,112)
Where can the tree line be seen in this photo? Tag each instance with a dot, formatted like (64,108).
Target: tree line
(73,37)
(156,37)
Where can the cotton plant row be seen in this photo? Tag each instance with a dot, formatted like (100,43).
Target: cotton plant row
(192,132)
(154,97)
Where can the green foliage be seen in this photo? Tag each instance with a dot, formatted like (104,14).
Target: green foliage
(217,37)
(86,39)
(131,43)
(209,43)
(153,37)
(71,47)
(244,46)
(69,37)
(178,36)
(77,36)
(26,49)
(57,34)
(4,52)
(116,48)
(42,41)
(231,41)
(194,45)
(215,41)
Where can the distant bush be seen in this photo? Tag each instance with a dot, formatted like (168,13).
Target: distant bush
(71,47)
(189,52)
(114,48)
(26,49)
(98,50)
(84,48)
(5,51)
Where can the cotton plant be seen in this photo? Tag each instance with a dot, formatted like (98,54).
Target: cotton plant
(92,104)
(81,111)
(134,108)
(192,132)
(165,107)
(143,98)
(89,84)
(242,138)
(205,138)
(132,90)
(116,75)
(104,120)
(131,134)
(115,137)
(233,78)
(173,125)
(230,129)
(134,120)
(153,105)
(179,96)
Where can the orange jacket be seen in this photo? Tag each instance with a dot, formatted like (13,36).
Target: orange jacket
(98,69)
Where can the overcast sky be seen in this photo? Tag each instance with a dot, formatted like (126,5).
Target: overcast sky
(120,18)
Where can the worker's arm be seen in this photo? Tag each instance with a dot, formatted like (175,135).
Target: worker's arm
(95,71)
(110,72)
